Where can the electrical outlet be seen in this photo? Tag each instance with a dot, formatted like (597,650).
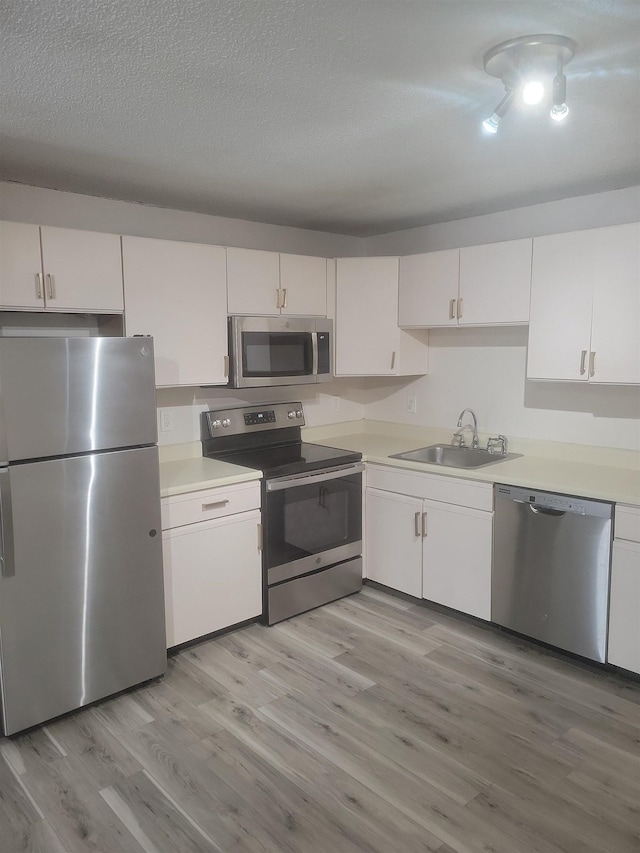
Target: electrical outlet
(166,421)
(412,404)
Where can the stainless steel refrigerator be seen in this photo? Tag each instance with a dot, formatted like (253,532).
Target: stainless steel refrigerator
(81,588)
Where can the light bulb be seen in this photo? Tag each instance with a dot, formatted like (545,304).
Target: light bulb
(559,112)
(533,92)
(491,124)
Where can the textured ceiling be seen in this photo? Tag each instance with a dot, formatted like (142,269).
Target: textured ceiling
(353,116)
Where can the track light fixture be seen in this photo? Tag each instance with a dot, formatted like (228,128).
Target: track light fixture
(523,64)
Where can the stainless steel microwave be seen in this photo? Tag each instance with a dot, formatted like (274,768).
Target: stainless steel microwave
(279,351)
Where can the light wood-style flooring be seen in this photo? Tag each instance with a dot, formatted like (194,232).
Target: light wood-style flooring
(372,724)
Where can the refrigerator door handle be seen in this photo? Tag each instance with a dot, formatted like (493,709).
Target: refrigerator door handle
(7,562)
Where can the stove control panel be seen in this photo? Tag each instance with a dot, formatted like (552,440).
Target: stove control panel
(248,419)
(267,416)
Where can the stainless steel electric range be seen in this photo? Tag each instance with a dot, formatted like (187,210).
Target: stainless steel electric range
(311,504)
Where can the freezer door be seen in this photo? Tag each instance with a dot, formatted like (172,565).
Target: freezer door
(61,396)
(81,591)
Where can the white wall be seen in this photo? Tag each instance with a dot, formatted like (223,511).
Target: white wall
(329,402)
(554,217)
(21,203)
(484,369)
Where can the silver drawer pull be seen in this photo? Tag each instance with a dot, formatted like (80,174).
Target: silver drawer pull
(214,505)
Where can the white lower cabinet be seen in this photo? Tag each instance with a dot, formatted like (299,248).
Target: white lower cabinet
(624,604)
(456,567)
(431,537)
(393,554)
(212,568)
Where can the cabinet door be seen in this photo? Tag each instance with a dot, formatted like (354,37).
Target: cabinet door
(495,283)
(212,576)
(561,299)
(303,281)
(176,292)
(428,289)
(615,327)
(253,281)
(394,541)
(21,281)
(83,271)
(624,607)
(367,333)
(456,567)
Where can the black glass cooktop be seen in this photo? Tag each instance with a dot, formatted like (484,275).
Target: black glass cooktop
(281,460)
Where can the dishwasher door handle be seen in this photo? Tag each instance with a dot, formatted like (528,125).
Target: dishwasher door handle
(543,510)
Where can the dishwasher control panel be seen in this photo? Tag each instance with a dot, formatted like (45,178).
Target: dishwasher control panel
(549,500)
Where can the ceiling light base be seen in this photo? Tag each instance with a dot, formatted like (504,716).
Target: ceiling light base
(510,59)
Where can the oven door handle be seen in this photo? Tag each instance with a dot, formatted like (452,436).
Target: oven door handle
(314,353)
(308,479)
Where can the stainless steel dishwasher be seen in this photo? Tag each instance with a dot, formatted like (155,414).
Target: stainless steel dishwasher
(551,568)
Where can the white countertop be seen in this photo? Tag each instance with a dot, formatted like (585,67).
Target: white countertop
(181,472)
(596,472)
(601,473)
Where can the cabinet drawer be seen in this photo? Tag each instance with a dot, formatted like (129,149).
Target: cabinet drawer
(208,504)
(627,524)
(432,487)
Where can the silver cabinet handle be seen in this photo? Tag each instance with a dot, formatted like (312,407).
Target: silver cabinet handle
(214,505)
(393,359)
(39,294)
(452,309)
(284,297)
(260,537)
(592,363)
(583,359)
(459,308)
(51,286)
(424,524)
(226,365)
(416,524)
(278,298)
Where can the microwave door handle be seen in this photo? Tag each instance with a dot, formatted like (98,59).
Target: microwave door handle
(7,561)
(314,353)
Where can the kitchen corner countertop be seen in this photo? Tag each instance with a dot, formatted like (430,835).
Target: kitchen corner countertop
(601,473)
(189,474)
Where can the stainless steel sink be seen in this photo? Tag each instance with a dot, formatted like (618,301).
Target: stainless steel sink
(453,457)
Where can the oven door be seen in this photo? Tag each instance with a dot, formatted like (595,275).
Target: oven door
(312,521)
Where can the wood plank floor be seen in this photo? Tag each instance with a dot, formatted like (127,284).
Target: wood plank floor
(372,724)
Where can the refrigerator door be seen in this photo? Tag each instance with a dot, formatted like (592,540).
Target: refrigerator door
(81,591)
(61,396)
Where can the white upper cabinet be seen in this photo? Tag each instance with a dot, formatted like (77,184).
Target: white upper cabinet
(428,289)
(615,325)
(177,293)
(21,279)
(585,306)
(495,284)
(59,269)
(474,286)
(253,281)
(368,340)
(303,282)
(268,283)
